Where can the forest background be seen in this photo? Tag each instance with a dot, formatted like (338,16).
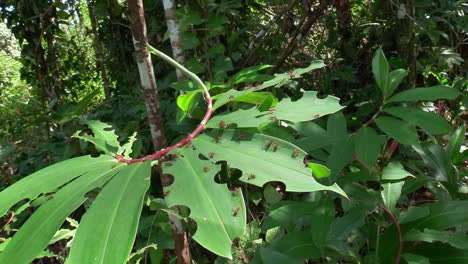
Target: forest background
(396,146)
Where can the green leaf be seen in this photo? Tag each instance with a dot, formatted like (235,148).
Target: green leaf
(271,195)
(186,102)
(189,40)
(458,240)
(128,147)
(36,233)
(304,246)
(436,158)
(341,155)
(307,108)
(251,74)
(51,178)
(283,78)
(319,170)
(381,69)
(394,171)
(367,146)
(394,78)
(439,253)
(403,132)
(241,96)
(425,94)
(415,259)
(289,215)
(456,140)
(184,85)
(391,193)
(262,159)
(315,137)
(219,213)
(430,122)
(107,230)
(104,137)
(438,216)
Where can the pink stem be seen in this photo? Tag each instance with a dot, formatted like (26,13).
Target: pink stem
(400,236)
(185,141)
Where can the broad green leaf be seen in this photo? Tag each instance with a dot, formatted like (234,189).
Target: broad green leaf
(219,213)
(315,136)
(51,178)
(394,171)
(322,218)
(107,230)
(391,193)
(341,155)
(247,96)
(271,195)
(251,74)
(345,225)
(425,94)
(184,85)
(319,170)
(189,40)
(269,255)
(415,259)
(394,79)
(289,215)
(336,125)
(436,158)
(380,69)
(282,78)
(36,233)
(438,253)
(104,137)
(403,132)
(307,108)
(430,122)
(455,239)
(456,140)
(304,247)
(262,159)
(367,146)
(186,102)
(437,216)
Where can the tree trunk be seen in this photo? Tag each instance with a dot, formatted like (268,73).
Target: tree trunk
(98,49)
(148,85)
(174,35)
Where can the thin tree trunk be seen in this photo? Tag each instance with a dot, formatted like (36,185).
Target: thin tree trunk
(148,85)
(174,35)
(98,49)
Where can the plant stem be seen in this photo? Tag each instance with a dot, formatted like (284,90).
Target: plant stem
(400,236)
(186,140)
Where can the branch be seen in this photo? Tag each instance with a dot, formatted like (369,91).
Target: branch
(185,141)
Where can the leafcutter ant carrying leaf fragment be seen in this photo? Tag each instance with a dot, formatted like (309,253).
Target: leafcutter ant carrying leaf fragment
(222,124)
(235,191)
(235,211)
(251,176)
(218,139)
(206,168)
(211,155)
(295,153)
(268,144)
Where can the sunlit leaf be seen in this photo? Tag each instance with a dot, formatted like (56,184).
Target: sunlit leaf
(107,230)
(219,213)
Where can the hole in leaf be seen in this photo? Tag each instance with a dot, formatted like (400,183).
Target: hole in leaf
(167,180)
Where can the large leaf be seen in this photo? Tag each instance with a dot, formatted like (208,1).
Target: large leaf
(394,171)
(458,240)
(438,253)
(36,233)
(431,122)
(309,107)
(367,146)
(391,193)
(241,96)
(456,140)
(426,94)
(394,79)
(403,132)
(107,231)
(380,69)
(220,214)
(262,159)
(51,178)
(104,137)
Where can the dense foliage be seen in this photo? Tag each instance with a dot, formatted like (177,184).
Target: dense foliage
(338,133)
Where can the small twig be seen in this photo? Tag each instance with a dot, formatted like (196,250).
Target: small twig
(8,222)
(391,149)
(400,236)
(185,141)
